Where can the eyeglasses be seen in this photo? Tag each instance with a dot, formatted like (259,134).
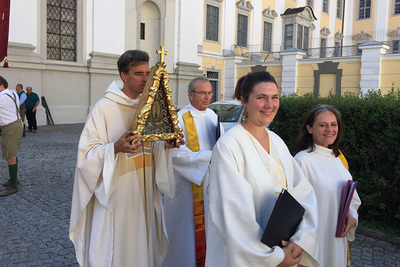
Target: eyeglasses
(203,93)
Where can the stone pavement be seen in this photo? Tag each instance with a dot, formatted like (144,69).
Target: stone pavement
(34,222)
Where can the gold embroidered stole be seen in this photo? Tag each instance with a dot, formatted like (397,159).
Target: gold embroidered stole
(197,192)
(346,165)
(343,160)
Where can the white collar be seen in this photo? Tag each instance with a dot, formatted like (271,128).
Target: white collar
(195,112)
(324,151)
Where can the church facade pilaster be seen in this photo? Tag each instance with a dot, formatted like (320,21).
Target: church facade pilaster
(371,65)
(290,59)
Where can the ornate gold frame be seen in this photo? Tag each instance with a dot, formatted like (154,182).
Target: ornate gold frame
(153,109)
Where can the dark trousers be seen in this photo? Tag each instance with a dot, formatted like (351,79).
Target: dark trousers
(31,117)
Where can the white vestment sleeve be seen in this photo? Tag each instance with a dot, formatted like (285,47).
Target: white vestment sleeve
(355,203)
(97,163)
(191,165)
(107,190)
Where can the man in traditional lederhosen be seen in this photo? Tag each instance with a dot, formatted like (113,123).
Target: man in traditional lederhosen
(11,133)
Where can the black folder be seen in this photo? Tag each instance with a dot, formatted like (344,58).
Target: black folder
(285,218)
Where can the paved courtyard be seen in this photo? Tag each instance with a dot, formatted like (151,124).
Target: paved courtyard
(34,222)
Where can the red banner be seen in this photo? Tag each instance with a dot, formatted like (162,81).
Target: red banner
(4,27)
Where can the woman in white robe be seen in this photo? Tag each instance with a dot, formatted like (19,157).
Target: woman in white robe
(249,167)
(320,160)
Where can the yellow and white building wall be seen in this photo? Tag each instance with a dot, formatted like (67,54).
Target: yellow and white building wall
(308,46)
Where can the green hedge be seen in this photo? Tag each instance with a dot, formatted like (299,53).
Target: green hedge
(371,145)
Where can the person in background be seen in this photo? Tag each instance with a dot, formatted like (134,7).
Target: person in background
(11,134)
(184,213)
(249,167)
(116,213)
(22,105)
(325,167)
(32,102)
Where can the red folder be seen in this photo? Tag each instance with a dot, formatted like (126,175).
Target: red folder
(347,196)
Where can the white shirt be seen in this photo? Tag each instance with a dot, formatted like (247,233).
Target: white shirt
(8,112)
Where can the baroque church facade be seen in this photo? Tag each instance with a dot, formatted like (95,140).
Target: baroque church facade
(67,49)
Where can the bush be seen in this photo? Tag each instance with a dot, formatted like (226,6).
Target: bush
(371,145)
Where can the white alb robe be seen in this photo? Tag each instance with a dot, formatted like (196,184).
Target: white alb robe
(189,167)
(242,197)
(113,222)
(328,176)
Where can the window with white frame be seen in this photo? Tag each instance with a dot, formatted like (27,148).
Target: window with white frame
(267,36)
(310,3)
(364,9)
(61,30)
(242,29)
(339,9)
(288,43)
(325,6)
(396,7)
(212,23)
(303,36)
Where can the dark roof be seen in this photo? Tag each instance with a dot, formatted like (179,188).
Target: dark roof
(291,11)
